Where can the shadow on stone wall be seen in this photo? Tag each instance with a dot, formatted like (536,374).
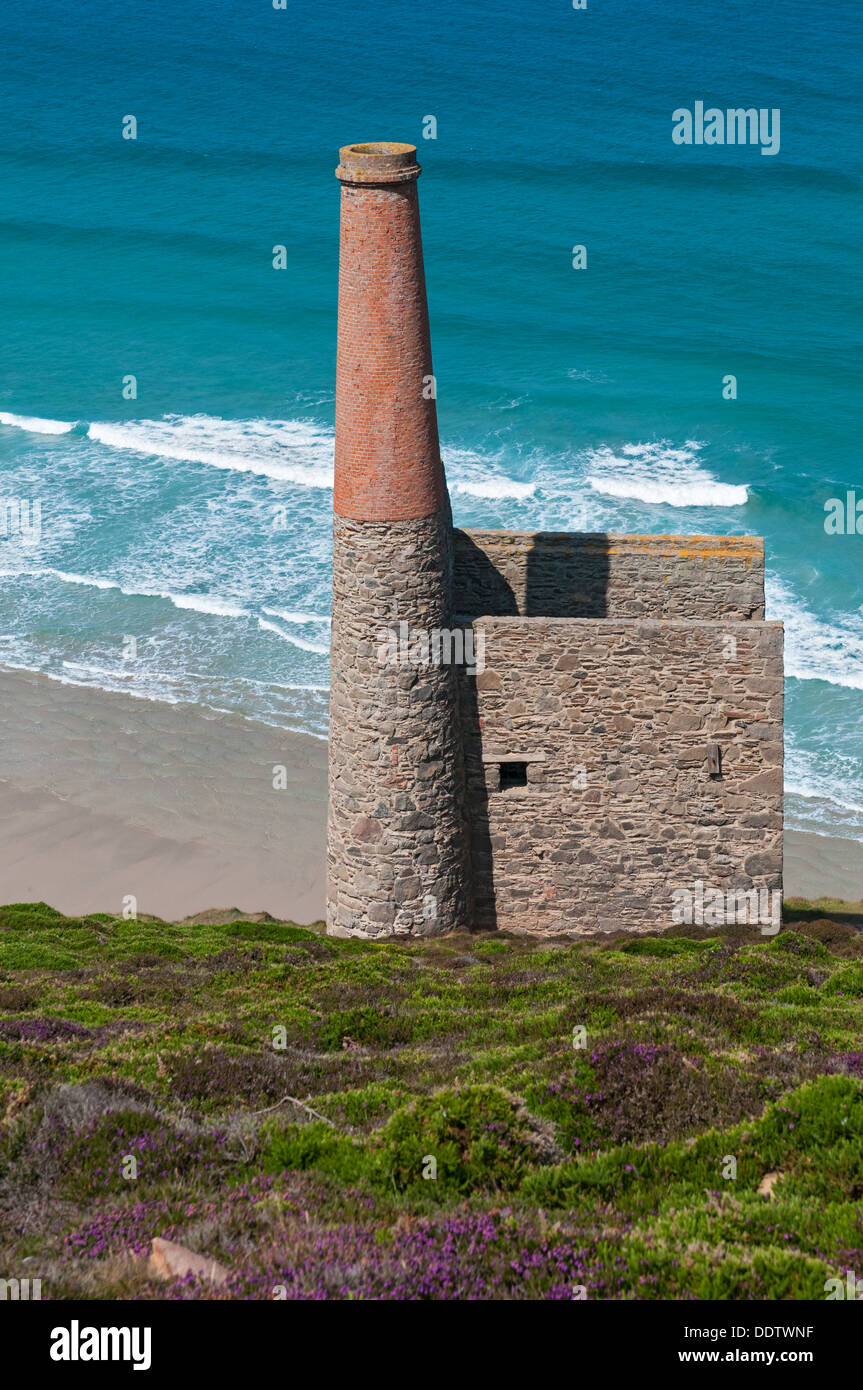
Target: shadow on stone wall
(563,576)
(479,588)
(548,574)
(567,576)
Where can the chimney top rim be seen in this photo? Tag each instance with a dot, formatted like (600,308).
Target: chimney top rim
(378,161)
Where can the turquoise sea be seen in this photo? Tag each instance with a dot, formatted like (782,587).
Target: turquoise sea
(194,517)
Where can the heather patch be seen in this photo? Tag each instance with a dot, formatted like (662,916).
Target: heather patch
(813,1135)
(216,1078)
(113,1153)
(849,1062)
(16,999)
(43,1030)
(116,1229)
(426,1119)
(631,1091)
(461,1256)
(714,1014)
(147,987)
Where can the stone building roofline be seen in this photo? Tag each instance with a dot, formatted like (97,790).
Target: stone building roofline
(713,547)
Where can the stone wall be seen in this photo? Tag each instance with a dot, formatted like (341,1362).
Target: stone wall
(396,846)
(612,721)
(593,575)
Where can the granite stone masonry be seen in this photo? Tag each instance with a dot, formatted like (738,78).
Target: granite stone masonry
(622,739)
(595,575)
(396,859)
(613,720)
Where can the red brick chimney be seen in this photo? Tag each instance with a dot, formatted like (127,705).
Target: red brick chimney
(387,462)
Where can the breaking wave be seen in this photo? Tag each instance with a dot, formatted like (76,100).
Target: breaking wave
(659,474)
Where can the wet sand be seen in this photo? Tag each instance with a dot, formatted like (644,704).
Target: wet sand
(104,796)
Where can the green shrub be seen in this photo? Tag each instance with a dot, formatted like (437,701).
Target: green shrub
(792,943)
(478,1137)
(847,980)
(664,946)
(371,1027)
(314,1145)
(17,915)
(282,932)
(797,994)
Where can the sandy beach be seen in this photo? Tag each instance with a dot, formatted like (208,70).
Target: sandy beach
(103,796)
(821,866)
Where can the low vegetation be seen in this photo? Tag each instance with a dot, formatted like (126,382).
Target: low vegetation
(475,1117)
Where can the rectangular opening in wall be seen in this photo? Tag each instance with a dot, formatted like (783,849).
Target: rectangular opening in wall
(714,760)
(512,775)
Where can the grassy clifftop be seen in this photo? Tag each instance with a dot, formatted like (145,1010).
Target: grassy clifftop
(486,1116)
